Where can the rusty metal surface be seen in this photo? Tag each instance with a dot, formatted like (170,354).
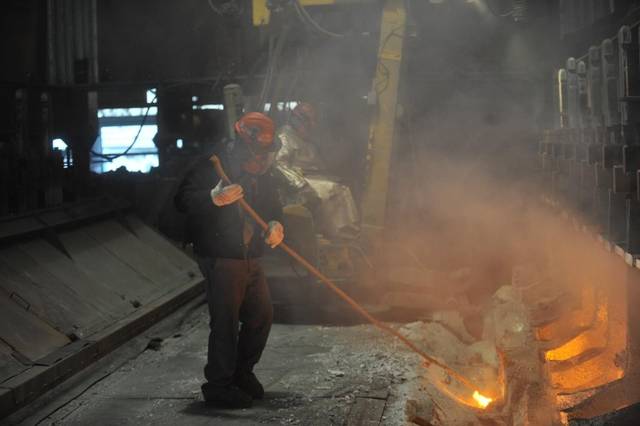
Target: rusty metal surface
(25,333)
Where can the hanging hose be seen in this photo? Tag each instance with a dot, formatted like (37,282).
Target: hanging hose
(333,287)
(275,51)
(306,19)
(520,9)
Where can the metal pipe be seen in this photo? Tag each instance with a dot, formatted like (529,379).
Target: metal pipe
(520,10)
(21,127)
(68,40)
(45,146)
(77,30)
(94,42)
(86,21)
(61,64)
(51,57)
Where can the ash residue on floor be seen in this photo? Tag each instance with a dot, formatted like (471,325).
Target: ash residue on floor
(313,375)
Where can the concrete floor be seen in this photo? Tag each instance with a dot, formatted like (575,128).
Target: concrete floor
(313,375)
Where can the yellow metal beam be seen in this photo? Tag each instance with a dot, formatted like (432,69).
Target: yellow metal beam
(260,12)
(382,128)
(385,86)
(262,15)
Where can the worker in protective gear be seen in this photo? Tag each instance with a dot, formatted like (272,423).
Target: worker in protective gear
(228,245)
(300,165)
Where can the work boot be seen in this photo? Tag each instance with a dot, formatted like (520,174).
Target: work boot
(249,383)
(229,396)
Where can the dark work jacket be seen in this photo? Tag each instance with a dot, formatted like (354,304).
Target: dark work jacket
(217,231)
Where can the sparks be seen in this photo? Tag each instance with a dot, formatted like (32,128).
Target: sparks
(482,400)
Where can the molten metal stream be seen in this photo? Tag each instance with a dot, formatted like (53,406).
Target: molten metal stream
(482,401)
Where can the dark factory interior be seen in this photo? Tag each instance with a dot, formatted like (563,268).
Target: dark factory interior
(320,212)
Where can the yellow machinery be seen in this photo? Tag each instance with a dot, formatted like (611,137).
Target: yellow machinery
(385,89)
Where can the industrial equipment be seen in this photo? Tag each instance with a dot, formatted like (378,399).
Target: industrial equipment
(552,340)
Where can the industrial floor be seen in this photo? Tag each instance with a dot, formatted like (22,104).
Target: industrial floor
(313,375)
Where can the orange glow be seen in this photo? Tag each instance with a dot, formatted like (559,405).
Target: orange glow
(483,401)
(463,396)
(460,392)
(595,372)
(594,338)
(594,357)
(575,320)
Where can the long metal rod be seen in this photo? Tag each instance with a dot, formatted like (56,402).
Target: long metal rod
(51,43)
(344,296)
(68,41)
(61,63)
(93,44)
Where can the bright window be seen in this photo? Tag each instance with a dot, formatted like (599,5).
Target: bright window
(218,107)
(61,145)
(281,106)
(126,138)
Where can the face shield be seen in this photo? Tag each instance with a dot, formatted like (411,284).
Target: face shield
(257,162)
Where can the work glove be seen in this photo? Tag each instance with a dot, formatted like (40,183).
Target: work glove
(224,195)
(275,234)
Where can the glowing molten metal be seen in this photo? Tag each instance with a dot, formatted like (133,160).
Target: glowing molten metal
(483,401)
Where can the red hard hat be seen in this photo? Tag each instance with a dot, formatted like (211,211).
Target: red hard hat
(307,113)
(256,128)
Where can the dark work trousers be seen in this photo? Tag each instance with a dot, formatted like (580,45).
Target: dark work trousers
(237,293)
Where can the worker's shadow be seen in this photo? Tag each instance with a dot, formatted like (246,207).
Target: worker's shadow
(273,401)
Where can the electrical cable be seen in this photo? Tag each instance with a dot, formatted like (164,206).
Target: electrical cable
(228,8)
(300,15)
(111,157)
(267,75)
(306,17)
(272,66)
(276,84)
(384,71)
(214,8)
(291,89)
(363,255)
(382,68)
(496,13)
